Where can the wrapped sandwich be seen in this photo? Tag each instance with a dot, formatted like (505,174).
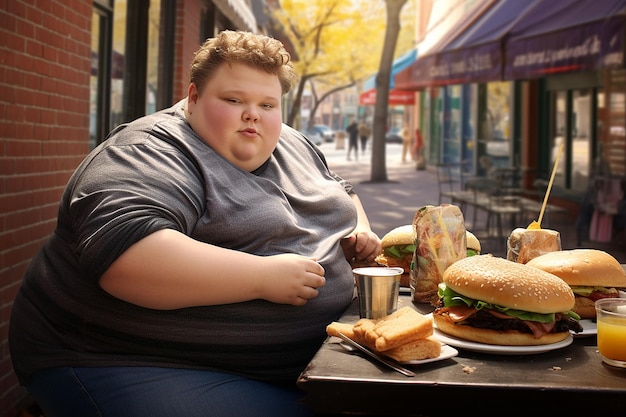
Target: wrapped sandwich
(526,244)
(440,240)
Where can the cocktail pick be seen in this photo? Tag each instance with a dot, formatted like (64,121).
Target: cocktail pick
(537,224)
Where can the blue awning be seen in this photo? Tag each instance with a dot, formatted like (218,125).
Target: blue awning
(397,66)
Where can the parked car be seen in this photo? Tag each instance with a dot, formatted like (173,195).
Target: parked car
(393,135)
(325,132)
(314,137)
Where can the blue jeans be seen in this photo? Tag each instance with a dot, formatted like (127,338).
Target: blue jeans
(159,392)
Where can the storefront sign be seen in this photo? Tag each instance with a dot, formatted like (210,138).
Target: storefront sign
(396,98)
(582,48)
(471,65)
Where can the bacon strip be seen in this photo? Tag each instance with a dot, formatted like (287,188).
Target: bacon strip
(596,295)
(458,313)
(539,329)
(461,313)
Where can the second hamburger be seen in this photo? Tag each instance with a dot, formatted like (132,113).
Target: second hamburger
(473,244)
(398,247)
(593,274)
(492,300)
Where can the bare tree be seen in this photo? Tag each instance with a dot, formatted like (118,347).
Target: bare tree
(379,168)
(318,100)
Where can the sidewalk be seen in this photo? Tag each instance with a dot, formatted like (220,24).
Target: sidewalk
(394,203)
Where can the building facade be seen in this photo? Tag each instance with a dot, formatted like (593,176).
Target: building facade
(525,87)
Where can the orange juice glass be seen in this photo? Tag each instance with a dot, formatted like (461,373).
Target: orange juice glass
(611,315)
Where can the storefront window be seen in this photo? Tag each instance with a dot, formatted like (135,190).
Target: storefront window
(117,64)
(99,79)
(152,76)
(95,93)
(498,125)
(435,104)
(614,124)
(470,116)
(452,124)
(558,137)
(581,138)
(572,129)
(426,129)
(111,65)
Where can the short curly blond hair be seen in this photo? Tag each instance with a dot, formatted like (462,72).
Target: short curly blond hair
(257,51)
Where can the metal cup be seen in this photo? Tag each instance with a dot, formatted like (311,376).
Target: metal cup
(377,290)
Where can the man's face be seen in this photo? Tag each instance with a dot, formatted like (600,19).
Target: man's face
(238,114)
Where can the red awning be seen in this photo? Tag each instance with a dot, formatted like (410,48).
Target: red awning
(396,98)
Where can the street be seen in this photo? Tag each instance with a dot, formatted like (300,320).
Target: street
(392,203)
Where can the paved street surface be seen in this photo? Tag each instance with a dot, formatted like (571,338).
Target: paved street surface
(394,203)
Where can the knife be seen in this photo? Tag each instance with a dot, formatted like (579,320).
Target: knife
(392,364)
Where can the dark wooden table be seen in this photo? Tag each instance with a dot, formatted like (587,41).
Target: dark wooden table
(571,380)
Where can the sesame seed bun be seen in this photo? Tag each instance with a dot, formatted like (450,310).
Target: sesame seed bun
(399,236)
(403,235)
(583,267)
(472,241)
(509,284)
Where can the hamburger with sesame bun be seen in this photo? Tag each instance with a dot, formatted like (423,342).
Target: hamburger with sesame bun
(593,274)
(473,244)
(491,300)
(398,246)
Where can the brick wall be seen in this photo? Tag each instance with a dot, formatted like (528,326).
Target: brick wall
(188,15)
(44,131)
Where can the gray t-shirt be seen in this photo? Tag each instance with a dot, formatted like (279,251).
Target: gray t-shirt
(156,173)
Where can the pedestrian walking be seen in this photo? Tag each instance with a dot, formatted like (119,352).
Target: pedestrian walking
(418,150)
(353,137)
(406,142)
(364,134)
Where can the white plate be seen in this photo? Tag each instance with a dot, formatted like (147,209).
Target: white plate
(500,349)
(590,328)
(447,352)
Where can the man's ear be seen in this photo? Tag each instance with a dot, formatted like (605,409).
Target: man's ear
(192,94)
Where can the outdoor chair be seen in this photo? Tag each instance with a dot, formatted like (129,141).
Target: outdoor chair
(450,179)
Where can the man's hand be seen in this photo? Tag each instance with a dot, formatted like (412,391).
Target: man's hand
(291,279)
(362,245)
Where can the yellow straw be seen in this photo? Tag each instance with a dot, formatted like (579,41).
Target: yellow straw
(545,198)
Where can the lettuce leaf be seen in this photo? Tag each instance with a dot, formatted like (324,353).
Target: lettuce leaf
(586,291)
(452,298)
(399,251)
